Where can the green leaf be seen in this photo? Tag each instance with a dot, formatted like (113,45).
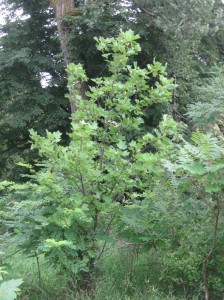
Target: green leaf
(122,145)
(106,238)
(9,289)
(194,168)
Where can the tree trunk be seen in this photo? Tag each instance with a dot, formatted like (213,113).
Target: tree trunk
(62,7)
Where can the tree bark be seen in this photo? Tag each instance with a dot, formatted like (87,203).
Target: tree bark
(61,7)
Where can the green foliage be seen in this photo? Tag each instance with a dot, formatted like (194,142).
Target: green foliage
(73,200)
(8,288)
(28,53)
(187,37)
(115,181)
(102,18)
(123,273)
(207,112)
(181,215)
(201,167)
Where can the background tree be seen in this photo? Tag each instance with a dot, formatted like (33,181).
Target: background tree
(32,84)
(207,113)
(186,35)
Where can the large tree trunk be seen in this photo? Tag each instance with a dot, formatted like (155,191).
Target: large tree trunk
(62,7)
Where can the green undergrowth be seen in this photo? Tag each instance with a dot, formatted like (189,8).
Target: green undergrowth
(122,274)
(50,285)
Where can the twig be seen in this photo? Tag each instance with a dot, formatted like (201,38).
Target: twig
(206,258)
(95,221)
(40,289)
(84,231)
(102,250)
(102,151)
(82,183)
(38,267)
(148,12)
(12,254)
(105,243)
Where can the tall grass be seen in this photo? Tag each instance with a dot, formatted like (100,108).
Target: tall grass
(122,274)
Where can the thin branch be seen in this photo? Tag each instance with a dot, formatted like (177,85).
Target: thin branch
(84,231)
(95,220)
(115,183)
(42,291)
(105,243)
(102,151)
(102,250)
(210,206)
(109,224)
(101,159)
(38,267)
(151,14)
(206,258)
(82,184)
(83,188)
(12,254)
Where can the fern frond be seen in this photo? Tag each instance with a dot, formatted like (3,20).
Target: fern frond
(194,168)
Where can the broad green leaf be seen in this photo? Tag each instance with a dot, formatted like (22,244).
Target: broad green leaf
(122,145)
(9,289)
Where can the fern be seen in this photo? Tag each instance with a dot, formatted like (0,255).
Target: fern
(209,109)
(194,168)
(202,151)
(208,146)
(171,169)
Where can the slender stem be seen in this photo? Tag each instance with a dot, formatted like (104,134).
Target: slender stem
(82,183)
(151,14)
(105,243)
(102,151)
(38,267)
(101,159)
(206,258)
(102,250)
(95,221)
(115,183)
(83,230)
